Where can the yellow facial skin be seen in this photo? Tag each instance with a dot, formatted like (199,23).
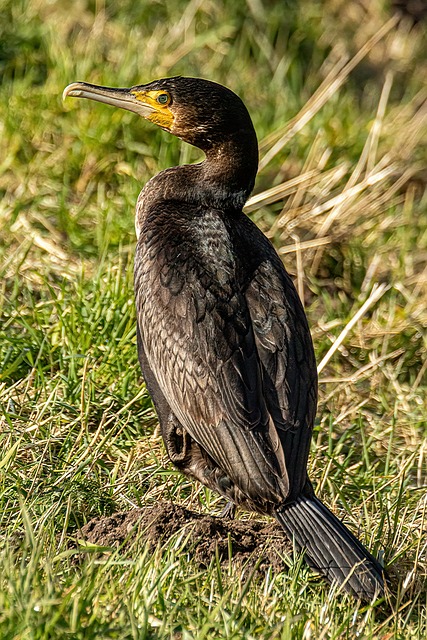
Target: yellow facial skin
(159,101)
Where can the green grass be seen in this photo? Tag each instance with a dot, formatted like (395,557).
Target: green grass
(78,433)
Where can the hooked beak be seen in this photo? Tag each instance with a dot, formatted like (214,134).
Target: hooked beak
(123,98)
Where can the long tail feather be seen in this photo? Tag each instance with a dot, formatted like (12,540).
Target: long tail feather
(330,548)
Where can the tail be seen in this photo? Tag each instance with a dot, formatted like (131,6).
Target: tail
(331,549)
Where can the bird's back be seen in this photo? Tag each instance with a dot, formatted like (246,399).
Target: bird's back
(226,337)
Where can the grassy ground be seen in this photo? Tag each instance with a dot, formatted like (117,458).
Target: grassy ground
(336,93)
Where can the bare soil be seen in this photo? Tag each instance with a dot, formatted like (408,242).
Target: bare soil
(251,542)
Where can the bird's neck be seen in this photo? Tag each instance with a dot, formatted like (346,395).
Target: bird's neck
(228,172)
(224,180)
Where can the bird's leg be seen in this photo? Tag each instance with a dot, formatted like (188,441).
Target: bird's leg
(192,460)
(177,440)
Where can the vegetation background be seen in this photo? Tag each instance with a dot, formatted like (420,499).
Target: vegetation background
(337,92)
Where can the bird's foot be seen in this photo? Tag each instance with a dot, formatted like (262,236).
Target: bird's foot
(229,511)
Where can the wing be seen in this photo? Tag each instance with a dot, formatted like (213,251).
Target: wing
(197,334)
(286,354)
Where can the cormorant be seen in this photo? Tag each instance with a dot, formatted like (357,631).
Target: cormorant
(223,339)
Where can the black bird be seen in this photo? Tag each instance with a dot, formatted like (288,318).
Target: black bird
(223,340)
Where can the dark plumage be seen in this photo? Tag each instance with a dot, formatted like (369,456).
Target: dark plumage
(223,340)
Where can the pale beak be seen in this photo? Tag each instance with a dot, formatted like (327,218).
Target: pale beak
(122,98)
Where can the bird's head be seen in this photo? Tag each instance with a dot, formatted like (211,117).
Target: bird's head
(200,112)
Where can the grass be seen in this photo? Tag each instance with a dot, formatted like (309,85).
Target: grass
(337,94)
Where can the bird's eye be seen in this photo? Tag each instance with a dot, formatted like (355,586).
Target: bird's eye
(163,98)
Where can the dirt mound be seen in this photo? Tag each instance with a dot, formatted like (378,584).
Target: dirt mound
(250,541)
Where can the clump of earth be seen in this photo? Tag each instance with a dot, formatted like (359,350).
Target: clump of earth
(251,542)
